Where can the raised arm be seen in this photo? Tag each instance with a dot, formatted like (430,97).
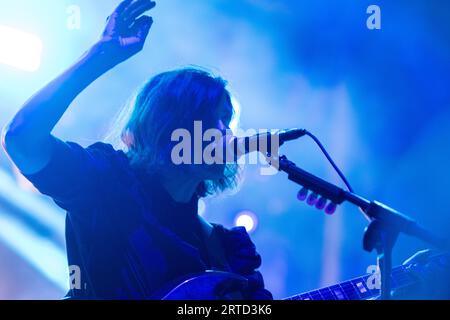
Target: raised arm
(27,138)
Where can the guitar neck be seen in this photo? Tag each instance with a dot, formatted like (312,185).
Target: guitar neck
(362,288)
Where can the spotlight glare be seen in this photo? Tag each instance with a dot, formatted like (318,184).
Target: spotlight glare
(19,49)
(201,207)
(246,219)
(234,125)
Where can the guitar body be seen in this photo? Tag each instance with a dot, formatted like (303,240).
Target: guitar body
(210,285)
(217,285)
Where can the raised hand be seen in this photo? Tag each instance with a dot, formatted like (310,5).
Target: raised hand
(126,30)
(28,138)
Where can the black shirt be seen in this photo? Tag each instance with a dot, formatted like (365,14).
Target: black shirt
(127,235)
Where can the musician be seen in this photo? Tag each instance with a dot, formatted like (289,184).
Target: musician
(132,222)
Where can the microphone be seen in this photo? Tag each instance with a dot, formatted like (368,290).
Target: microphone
(291,134)
(266,143)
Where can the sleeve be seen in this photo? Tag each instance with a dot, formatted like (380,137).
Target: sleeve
(244,260)
(73,175)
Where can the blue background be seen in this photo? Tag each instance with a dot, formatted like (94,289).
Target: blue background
(378,100)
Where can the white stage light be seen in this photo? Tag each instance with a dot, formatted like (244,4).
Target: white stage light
(246,219)
(19,49)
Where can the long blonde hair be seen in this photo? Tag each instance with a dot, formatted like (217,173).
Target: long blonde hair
(169,101)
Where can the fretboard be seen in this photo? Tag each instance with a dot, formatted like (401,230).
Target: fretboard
(358,288)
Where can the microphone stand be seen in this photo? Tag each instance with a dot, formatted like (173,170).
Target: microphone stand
(385,223)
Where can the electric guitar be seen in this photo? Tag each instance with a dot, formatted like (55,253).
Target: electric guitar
(216,285)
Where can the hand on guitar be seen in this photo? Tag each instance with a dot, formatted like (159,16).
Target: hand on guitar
(433,277)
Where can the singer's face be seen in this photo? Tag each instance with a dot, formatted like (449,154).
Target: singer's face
(219,119)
